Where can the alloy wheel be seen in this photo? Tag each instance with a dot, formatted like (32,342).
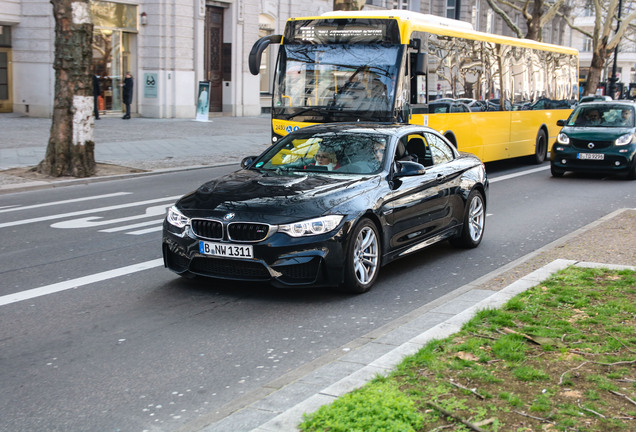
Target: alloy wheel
(365,255)
(476,218)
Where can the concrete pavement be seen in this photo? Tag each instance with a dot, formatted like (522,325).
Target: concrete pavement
(278,406)
(142,143)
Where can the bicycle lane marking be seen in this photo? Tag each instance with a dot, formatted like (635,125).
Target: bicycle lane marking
(49,204)
(85,212)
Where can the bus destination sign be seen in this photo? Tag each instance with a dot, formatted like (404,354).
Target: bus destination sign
(342,31)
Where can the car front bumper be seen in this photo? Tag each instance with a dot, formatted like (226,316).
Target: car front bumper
(615,160)
(280,260)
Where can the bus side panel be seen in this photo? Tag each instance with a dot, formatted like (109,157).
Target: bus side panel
(484,134)
(525,126)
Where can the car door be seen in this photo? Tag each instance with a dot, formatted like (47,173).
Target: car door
(416,208)
(448,173)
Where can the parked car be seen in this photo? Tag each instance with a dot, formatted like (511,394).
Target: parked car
(472,104)
(597,137)
(441,106)
(287,219)
(594,98)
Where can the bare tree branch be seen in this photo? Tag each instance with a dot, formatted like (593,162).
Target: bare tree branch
(506,18)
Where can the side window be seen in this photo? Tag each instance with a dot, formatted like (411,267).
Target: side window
(418,150)
(440,150)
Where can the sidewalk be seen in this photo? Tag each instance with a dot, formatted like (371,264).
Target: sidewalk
(147,144)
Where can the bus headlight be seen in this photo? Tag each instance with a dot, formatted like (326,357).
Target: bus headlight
(563,139)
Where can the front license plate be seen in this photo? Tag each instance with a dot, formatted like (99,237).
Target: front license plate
(591,156)
(226,250)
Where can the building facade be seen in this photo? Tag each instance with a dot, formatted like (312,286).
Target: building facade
(170,47)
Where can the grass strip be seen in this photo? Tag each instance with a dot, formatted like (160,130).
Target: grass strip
(559,357)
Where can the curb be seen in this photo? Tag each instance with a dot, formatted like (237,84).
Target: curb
(40,184)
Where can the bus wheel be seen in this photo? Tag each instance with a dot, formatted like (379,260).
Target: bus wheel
(541,149)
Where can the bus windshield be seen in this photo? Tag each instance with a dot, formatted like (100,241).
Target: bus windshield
(338,82)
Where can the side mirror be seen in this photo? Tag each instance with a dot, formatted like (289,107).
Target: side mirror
(409,169)
(248,161)
(561,123)
(256,53)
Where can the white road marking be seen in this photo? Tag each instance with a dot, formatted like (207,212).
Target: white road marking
(88,198)
(91,221)
(76,283)
(127,227)
(518,174)
(146,231)
(84,212)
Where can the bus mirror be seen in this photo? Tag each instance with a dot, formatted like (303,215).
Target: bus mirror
(256,53)
(420,64)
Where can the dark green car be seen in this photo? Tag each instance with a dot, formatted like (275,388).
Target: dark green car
(598,137)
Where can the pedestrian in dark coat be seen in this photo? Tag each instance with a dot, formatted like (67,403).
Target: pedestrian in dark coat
(96,93)
(127,94)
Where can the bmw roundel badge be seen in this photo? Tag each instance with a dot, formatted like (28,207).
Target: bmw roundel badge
(229,216)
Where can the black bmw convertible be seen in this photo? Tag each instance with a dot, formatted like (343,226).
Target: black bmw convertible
(329,205)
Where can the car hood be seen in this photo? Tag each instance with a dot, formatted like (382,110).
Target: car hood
(261,195)
(595,133)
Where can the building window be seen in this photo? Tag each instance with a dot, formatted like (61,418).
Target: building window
(587,45)
(451,9)
(266,28)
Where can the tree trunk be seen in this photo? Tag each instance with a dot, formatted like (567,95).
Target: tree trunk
(596,69)
(71,150)
(534,23)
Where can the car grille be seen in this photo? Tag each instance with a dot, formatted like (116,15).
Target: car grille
(583,144)
(228,268)
(209,229)
(237,231)
(247,231)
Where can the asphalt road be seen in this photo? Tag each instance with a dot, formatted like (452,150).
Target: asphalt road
(96,335)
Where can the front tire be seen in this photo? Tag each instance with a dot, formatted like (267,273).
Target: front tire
(556,172)
(363,258)
(474,222)
(631,174)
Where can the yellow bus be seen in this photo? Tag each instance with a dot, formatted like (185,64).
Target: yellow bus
(493,96)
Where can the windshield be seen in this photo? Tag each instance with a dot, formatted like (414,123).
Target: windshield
(337,152)
(602,116)
(336,82)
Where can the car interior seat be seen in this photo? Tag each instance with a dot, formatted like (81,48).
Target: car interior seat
(419,152)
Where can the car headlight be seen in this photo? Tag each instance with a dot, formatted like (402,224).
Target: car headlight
(176,218)
(311,227)
(624,140)
(563,139)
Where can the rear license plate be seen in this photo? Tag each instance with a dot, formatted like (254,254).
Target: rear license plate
(591,156)
(226,250)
